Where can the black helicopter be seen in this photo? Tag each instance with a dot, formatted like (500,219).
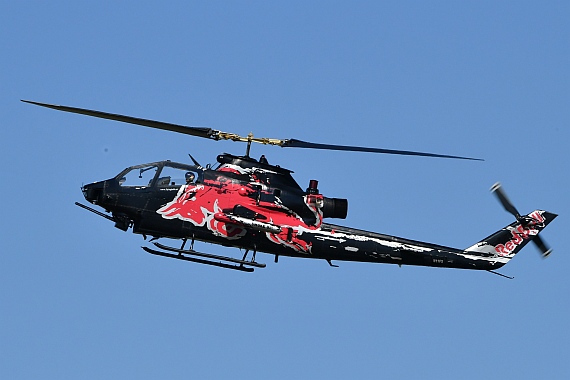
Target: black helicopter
(253,205)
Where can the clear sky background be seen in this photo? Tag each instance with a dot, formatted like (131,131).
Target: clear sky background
(489,79)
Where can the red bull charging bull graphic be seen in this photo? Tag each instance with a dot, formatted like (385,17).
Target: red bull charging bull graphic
(212,203)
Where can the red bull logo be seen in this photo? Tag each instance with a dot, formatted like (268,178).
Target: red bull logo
(203,205)
(519,234)
(198,204)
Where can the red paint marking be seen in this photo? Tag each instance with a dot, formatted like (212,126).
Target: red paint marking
(198,204)
(519,234)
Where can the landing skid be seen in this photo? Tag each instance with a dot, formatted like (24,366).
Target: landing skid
(193,256)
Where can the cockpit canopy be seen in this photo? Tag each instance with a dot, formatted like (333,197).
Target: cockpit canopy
(159,174)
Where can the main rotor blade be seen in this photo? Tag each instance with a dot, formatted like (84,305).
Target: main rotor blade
(294,143)
(219,135)
(498,191)
(194,131)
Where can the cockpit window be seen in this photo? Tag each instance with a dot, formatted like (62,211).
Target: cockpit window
(139,177)
(170,176)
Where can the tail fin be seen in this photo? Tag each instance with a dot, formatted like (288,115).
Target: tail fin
(506,243)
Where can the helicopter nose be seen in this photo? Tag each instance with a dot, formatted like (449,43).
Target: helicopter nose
(93,192)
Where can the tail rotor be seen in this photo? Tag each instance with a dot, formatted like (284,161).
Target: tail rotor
(523,220)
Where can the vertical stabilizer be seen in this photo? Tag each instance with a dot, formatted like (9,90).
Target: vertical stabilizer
(507,242)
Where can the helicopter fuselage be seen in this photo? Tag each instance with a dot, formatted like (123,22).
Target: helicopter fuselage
(255,206)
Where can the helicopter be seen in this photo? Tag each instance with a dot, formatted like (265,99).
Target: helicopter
(250,204)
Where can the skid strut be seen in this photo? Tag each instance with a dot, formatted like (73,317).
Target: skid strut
(199,257)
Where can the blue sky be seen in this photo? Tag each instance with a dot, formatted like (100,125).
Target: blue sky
(80,299)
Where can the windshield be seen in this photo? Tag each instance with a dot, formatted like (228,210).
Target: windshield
(139,176)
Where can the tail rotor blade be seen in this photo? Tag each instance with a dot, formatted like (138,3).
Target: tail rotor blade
(498,191)
(544,249)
